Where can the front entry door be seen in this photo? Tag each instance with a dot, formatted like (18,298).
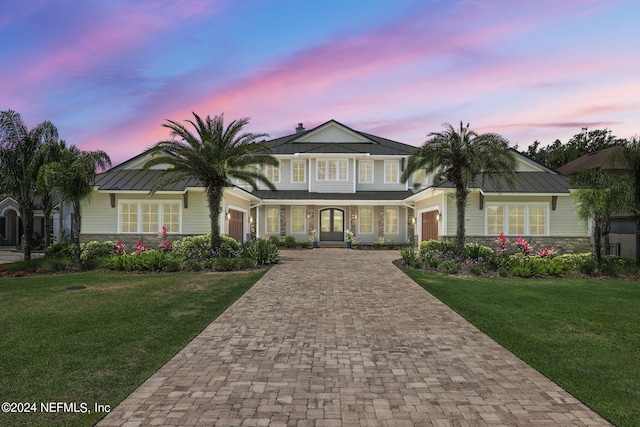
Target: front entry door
(429,226)
(332,225)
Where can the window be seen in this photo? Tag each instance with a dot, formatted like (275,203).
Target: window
(391,220)
(171,217)
(391,171)
(366,220)
(129,218)
(517,220)
(332,170)
(537,220)
(149,217)
(272,173)
(273,220)
(420,177)
(298,172)
(297,219)
(366,172)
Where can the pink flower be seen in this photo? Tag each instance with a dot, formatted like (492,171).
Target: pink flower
(502,243)
(547,252)
(165,246)
(119,248)
(163,234)
(139,247)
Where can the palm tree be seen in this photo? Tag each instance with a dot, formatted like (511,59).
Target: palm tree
(45,186)
(213,155)
(21,158)
(74,175)
(459,156)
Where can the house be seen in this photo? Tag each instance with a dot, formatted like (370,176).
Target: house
(332,179)
(622,233)
(11,226)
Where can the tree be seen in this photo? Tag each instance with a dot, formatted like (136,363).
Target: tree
(45,186)
(608,196)
(21,158)
(213,155)
(74,174)
(459,156)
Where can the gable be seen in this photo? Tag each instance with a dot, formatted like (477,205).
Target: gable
(138,162)
(332,132)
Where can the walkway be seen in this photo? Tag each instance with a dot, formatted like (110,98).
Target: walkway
(333,337)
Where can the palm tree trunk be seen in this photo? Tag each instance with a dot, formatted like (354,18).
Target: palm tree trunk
(77,220)
(597,238)
(606,230)
(60,219)
(46,210)
(214,196)
(461,204)
(27,223)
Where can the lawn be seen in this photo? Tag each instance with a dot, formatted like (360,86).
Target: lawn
(96,345)
(582,334)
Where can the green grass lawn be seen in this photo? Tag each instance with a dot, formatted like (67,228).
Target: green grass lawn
(582,334)
(96,345)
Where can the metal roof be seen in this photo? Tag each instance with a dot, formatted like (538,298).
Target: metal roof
(138,180)
(305,195)
(524,182)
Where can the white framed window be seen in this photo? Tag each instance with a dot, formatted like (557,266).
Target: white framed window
(272,173)
(332,170)
(298,219)
(149,216)
(517,220)
(128,218)
(273,220)
(365,219)
(365,172)
(391,220)
(298,171)
(391,171)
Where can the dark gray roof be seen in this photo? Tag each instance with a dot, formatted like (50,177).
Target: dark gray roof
(524,182)
(376,145)
(138,180)
(305,195)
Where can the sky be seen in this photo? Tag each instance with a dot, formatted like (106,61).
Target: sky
(108,74)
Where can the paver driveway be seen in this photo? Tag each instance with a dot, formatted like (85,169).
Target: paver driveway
(333,337)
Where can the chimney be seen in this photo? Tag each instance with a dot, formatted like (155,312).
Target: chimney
(300,128)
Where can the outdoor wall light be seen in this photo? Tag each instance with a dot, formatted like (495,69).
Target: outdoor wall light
(228,215)
(438,216)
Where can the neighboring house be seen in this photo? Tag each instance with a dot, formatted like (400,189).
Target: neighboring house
(332,179)
(11,226)
(622,236)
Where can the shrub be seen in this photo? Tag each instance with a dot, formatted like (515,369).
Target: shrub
(476,251)
(584,263)
(409,256)
(262,252)
(304,244)
(478,270)
(223,264)
(57,264)
(443,246)
(191,265)
(275,239)
(93,250)
(612,265)
(59,250)
(391,244)
(449,267)
(126,262)
(431,258)
(290,242)
(503,271)
(199,247)
(378,244)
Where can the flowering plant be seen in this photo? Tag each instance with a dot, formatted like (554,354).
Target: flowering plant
(163,233)
(547,252)
(313,236)
(139,247)
(350,235)
(165,246)
(525,247)
(119,248)
(502,242)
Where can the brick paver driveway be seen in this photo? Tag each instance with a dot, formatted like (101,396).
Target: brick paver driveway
(333,337)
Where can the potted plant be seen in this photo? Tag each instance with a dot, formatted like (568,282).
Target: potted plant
(350,238)
(313,238)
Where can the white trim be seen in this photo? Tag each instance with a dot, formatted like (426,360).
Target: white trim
(373,172)
(526,205)
(326,169)
(160,203)
(304,219)
(397,163)
(304,171)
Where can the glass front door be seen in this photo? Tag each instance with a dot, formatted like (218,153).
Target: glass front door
(332,225)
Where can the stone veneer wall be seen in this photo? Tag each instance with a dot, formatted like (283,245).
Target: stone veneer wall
(152,241)
(283,222)
(380,222)
(563,245)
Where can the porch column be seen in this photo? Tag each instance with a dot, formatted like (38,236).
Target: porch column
(311,218)
(380,222)
(411,225)
(283,221)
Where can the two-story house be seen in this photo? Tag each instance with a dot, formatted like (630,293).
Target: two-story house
(333,179)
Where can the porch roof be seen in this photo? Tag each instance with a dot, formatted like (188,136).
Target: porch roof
(358,196)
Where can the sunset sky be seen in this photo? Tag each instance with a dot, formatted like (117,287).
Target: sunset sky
(109,73)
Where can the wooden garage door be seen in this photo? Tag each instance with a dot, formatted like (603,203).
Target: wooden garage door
(236,225)
(429,226)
